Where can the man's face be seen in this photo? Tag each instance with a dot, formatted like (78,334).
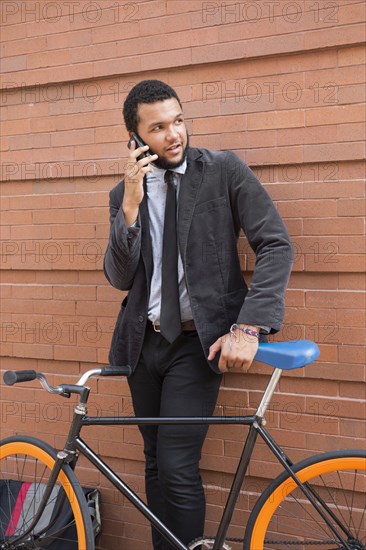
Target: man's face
(161,126)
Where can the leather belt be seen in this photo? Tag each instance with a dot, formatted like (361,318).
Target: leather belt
(187,326)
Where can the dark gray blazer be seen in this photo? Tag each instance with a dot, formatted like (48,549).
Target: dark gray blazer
(219,194)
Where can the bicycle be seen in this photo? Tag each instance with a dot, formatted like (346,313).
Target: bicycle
(319,501)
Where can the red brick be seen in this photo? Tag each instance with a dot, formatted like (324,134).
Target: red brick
(125,29)
(351,281)
(351,34)
(108,134)
(16,218)
(355,391)
(352,354)
(333,299)
(333,152)
(334,226)
(338,76)
(351,317)
(47,59)
(55,307)
(354,55)
(334,189)
(53,216)
(74,353)
(69,232)
(156,61)
(281,155)
(308,208)
(352,207)
(75,38)
(309,316)
(59,139)
(28,202)
(335,115)
(41,351)
(13,64)
(12,127)
(336,262)
(284,119)
(320,442)
(353,428)
(351,246)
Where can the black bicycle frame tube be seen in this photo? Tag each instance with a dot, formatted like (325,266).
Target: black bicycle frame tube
(308,492)
(236,487)
(139,421)
(128,493)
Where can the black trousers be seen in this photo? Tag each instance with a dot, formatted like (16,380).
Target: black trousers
(174,380)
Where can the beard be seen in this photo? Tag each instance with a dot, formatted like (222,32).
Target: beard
(168,164)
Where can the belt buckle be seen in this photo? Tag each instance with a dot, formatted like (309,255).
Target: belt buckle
(155,327)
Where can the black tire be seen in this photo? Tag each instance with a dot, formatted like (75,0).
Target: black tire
(284,517)
(29,459)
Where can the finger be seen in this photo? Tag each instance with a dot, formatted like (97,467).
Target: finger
(238,363)
(223,364)
(146,160)
(138,151)
(212,354)
(216,346)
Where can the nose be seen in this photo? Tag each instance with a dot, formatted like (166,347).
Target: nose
(172,133)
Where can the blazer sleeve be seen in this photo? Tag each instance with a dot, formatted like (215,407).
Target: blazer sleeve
(123,251)
(254,212)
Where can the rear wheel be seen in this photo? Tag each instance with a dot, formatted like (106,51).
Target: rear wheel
(283,517)
(25,467)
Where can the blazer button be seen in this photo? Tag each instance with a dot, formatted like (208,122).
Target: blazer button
(140,318)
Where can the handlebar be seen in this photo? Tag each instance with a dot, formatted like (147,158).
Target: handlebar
(17,376)
(12,377)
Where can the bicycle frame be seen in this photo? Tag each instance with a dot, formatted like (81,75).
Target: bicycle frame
(256,424)
(83,448)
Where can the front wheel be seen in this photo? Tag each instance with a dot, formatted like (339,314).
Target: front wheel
(283,517)
(25,467)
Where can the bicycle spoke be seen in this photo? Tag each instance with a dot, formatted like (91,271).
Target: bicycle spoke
(25,468)
(284,516)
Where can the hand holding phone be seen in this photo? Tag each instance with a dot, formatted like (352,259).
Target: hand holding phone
(139,143)
(134,176)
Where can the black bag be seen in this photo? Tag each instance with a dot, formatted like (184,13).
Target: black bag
(17,504)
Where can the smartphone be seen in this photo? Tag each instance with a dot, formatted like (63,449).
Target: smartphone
(139,143)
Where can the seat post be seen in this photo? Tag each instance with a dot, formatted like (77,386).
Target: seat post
(267,396)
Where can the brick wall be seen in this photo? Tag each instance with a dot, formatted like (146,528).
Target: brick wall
(282,84)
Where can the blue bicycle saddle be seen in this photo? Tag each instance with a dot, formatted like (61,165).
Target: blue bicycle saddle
(288,355)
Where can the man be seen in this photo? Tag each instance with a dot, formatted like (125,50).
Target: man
(178,365)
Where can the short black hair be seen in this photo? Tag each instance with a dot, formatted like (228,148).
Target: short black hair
(146,91)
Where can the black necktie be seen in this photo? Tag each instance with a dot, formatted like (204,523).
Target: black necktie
(170,321)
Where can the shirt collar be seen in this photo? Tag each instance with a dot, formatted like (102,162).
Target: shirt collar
(179,170)
(182,168)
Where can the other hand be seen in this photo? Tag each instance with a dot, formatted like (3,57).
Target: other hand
(238,356)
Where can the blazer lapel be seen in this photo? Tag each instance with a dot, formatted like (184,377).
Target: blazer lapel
(189,186)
